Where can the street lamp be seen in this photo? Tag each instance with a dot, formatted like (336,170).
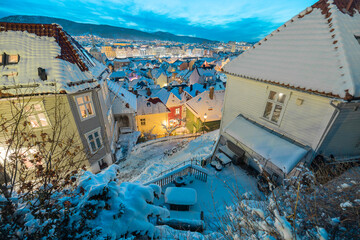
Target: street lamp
(205,117)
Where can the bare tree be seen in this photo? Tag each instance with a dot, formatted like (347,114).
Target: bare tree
(172,127)
(39,155)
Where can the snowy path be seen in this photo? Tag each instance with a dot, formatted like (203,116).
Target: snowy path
(145,164)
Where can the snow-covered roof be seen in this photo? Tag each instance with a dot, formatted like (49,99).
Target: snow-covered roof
(196,87)
(122,93)
(315,51)
(180,196)
(118,74)
(67,65)
(206,71)
(163,95)
(150,106)
(202,104)
(284,154)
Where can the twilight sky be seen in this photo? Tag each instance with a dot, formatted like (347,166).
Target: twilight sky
(224,20)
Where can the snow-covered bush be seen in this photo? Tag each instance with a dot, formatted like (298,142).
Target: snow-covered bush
(299,209)
(95,207)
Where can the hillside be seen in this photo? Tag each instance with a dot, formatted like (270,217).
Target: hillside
(105,31)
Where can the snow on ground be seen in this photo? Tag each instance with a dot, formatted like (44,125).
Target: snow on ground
(125,144)
(220,190)
(146,163)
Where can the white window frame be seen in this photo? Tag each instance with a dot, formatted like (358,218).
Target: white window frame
(275,103)
(177,111)
(34,112)
(84,104)
(92,133)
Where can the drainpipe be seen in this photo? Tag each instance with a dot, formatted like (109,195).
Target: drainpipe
(330,124)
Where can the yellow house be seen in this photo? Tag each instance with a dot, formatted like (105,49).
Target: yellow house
(58,89)
(152,116)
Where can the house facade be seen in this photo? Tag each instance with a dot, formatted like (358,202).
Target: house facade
(204,111)
(152,114)
(300,101)
(50,70)
(202,76)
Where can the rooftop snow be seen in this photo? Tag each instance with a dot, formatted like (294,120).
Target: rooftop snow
(202,104)
(44,52)
(315,51)
(122,93)
(282,153)
(150,106)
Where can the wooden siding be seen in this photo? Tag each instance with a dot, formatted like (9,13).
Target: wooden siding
(153,121)
(304,123)
(89,125)
(343,140)
(51,103)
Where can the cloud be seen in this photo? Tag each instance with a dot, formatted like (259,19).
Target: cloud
(214,19)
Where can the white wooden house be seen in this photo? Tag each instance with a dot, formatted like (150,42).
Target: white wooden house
(295,95)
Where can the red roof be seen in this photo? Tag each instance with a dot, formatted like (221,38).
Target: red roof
(345,6)
(65,41)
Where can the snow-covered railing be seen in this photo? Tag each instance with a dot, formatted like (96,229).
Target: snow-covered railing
(191,167)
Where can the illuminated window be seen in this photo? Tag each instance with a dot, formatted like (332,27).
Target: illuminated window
(85,106)
(274,106)
(177,111)
(94,140)
(142,121)
(12,59)
(37,116)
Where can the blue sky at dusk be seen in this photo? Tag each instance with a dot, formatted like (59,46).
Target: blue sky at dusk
(224,20)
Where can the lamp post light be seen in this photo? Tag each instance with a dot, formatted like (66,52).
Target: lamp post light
(205,117)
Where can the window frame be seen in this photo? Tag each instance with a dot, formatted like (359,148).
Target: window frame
(89,94)
(92,133)
(33,113)
(274,103)
(177,111)
(143,121)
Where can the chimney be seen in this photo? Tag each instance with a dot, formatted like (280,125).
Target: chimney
(180,90)
(197,93)
(191,88)
(168,88)
(42,74)
(211,93)
(148,92)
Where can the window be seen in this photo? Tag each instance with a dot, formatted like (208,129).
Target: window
(12,59)
(85,106)
(94,140)
(177,111)
(142,121)
(37,116)
(9,59)
(274,106)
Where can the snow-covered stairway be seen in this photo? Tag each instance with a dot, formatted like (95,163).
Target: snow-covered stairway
(187,168)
